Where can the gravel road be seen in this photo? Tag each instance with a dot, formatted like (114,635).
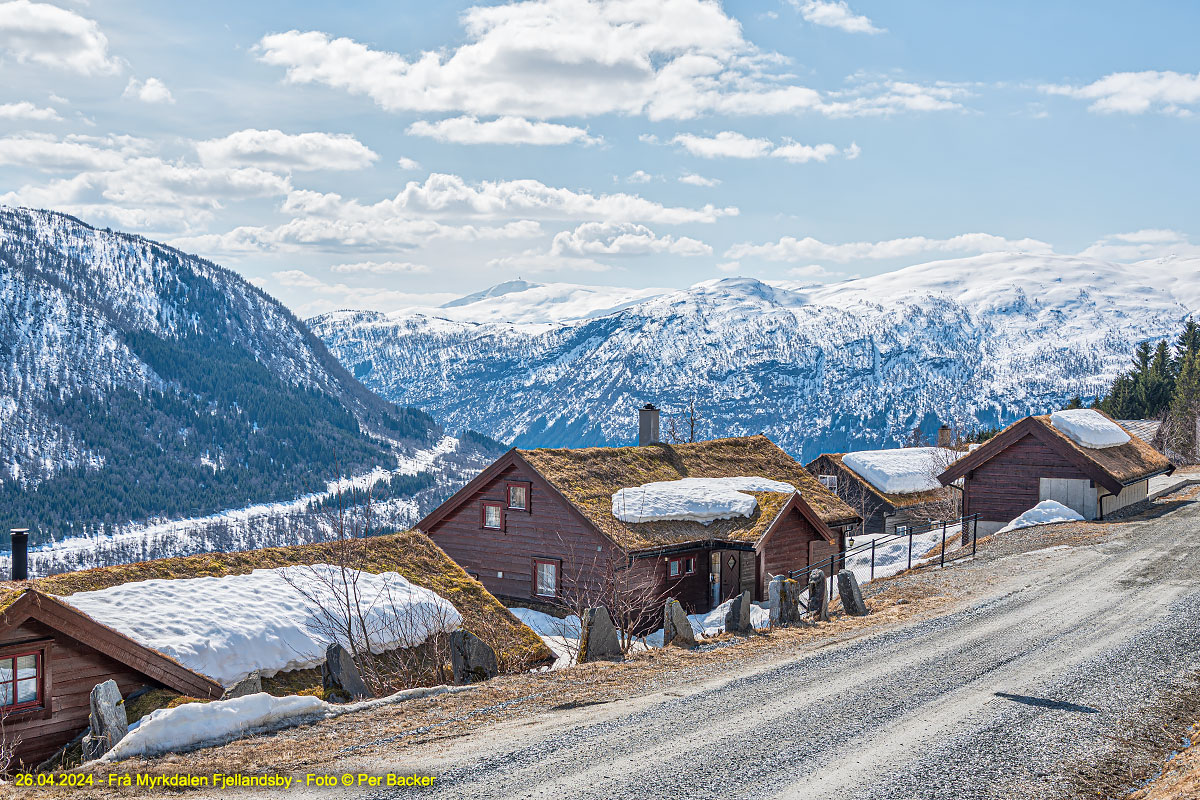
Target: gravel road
(1058,652)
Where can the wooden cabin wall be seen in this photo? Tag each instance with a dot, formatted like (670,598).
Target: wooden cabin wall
(1008,484)
(785,549)
(864,502)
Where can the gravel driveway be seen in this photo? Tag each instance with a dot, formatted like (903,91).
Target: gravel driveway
(1061,654)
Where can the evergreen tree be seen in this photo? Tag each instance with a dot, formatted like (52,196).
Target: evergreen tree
(1075,402)
(1185,409)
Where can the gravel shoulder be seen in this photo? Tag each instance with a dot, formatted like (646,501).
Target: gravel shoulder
(1025,672)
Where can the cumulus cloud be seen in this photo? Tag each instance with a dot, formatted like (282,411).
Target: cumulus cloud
(274,149)
(834,14)
(407,163)
(790,248)
(674,59)
(27,110)
(1142,244)
(698,180)
(1137,92)
(315,296)
(381,267)
(151,90)
(607,238)
(730,144)
(502,130)
(639,176)
(39,33)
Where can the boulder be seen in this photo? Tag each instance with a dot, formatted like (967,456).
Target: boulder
(818,596)
(852,599)
(251,684)
(471,658)
(737,619)
(599,640)
(340,676)
(776,601)
(107,720)
(789,603)
(677,629)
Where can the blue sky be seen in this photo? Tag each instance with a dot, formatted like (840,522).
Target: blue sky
(380,155)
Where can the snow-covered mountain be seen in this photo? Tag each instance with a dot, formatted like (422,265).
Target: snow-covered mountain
(140,384)
(968,342)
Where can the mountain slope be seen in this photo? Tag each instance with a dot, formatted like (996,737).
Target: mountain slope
(140,382)
(969,342)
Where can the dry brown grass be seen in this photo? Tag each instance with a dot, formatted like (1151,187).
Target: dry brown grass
(1180,779)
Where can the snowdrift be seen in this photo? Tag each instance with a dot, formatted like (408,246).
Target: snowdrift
(701,500)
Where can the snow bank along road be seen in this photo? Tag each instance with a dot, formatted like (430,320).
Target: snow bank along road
(1062,651)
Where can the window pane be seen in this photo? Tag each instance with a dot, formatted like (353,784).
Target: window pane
(27,667)
(27,690)
(492,516)
(674,567)
(547,579)
(6,670)
(516,497)
(6,694)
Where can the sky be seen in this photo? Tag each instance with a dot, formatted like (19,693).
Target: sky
(390,154)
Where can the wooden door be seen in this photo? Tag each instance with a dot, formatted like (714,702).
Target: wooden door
(731,573)
(818,551)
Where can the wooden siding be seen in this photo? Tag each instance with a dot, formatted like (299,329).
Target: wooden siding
(784,549)
(547,531)
(1008,484)
(1133,493)
(74,670)
(868,505)
(692,591)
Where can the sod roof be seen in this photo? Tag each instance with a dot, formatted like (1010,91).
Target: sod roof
(410,554)
(588,477)
(894,499)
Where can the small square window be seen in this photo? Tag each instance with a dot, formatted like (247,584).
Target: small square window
(547,578)
(678,567)
(518,496)
(20,680)
(493,516)
(829,482)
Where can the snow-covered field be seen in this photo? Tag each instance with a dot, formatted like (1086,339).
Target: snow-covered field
(273,620)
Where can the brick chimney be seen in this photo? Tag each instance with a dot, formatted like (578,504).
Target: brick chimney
(647,425)
(20,553)
(944,438)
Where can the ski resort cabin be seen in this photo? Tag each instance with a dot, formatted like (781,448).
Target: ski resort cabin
(550,526)
(1081,458)
(891,489)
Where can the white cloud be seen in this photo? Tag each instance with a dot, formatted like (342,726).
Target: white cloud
(639,176)
(407,163)
(39,33)
(809,272)
(790,248)
(698,180)
(503,130)
(318,297)
(834,14)
(539,59)
(152,90)
(275,149)
(729,267)
(27,110)
(1137,92)
(1143,244)
(730,144)
(74,152)
(536,261)
(852,152)
(608,238)
(381,267)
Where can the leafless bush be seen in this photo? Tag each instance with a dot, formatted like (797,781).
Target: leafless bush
(8,747)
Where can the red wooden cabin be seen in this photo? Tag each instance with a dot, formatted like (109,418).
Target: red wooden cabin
(537,525)
(1031,460)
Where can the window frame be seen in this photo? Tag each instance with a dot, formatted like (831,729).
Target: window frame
(553,562)
(42,650)
(685,568)
(483,510)
(824,479)
(527,486)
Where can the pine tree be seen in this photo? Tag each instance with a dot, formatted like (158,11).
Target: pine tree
(1185,410)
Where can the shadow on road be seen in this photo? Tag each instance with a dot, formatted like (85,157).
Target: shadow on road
(1045,702)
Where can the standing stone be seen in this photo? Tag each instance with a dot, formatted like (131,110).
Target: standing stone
(852,599)
(251,684)
(107,720)
(471,658)
(776,600)
(599,640)
(677,629)
(789,604)
(818,599)
(340,676)
(737,619)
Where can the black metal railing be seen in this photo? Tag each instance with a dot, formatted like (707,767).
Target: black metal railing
(964,527)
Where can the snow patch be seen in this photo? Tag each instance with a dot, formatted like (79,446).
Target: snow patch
(229,626)
(903,470)
(1043,513)
(701,500)
(1089,428)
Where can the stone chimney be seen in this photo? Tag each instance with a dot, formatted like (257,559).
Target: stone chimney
(20,554)
(944,438)
(647,425)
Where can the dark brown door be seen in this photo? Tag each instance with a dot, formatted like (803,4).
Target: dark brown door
(818,551)
(731,573)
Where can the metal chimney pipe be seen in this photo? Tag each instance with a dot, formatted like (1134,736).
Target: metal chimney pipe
(647,425)
(20,553)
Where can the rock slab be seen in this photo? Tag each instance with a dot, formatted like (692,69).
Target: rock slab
(677,629)
(737,619)
(776,601)
(818,597)
(340,676)
(789,603)
(107,720)
(251,684)
(600,640)
(471,658)
(852,599)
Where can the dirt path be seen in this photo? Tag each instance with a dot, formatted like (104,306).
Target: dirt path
(1065,650)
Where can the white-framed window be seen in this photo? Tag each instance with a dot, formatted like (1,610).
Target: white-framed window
(518,496)
(492,516)
(829,482)
(545,578)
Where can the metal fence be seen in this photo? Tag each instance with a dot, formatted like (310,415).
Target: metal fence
(880,555)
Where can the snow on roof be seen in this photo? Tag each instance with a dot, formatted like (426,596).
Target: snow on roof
(1089,428)
(701,500)
(1043,513)
(230,626)
(903,470)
